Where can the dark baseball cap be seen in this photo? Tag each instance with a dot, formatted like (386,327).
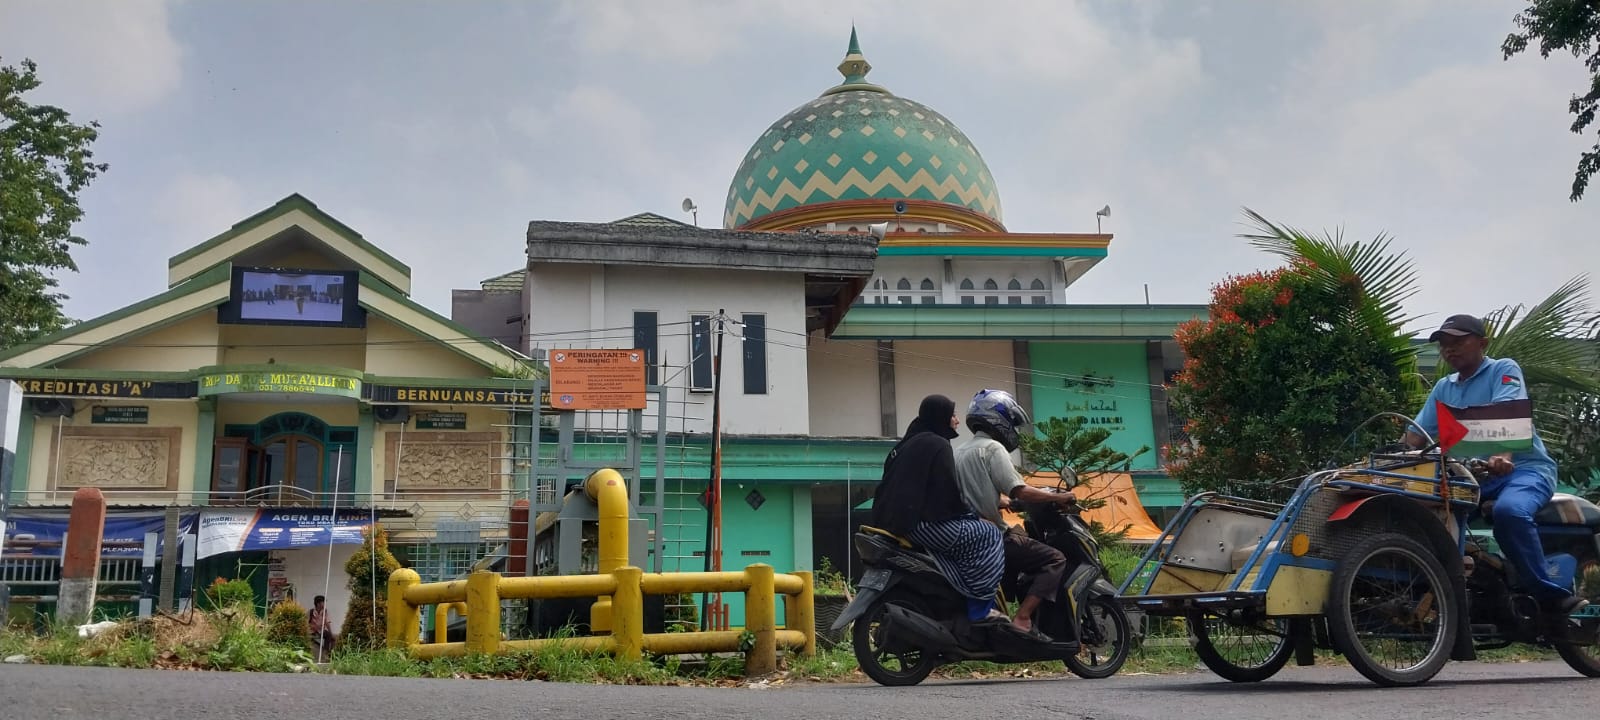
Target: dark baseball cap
(1459,326)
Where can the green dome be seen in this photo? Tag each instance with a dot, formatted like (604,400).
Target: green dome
(858,141)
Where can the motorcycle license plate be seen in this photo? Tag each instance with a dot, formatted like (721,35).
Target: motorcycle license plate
(875,579)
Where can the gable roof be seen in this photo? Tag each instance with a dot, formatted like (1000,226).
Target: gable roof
(294,211)
(200,282)
(650,219)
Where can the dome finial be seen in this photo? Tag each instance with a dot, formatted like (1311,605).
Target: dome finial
(854,67)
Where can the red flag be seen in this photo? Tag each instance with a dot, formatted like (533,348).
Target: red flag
(1451,431)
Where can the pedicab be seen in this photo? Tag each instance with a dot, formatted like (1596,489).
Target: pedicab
(1374,560)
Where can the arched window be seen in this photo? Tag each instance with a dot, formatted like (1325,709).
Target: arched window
(1037,285)
(966,284)
(904,284)
(299,455)
(927,284)
(990,284)
(1015,284)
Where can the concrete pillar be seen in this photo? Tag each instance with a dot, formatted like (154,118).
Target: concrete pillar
(366,434)
(80,559)
(14,481)
(887,422)
(205,437)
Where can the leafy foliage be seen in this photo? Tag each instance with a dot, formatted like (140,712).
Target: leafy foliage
(289,624)
(366,617)
(231,594)
(1067,447)
(1571,26)
(1292,362)
(1557,343)
(45,161)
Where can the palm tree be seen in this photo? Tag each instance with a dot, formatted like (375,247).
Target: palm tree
(1557,343)
(1379,280)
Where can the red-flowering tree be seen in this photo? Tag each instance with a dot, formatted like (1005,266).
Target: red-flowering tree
(1291,362)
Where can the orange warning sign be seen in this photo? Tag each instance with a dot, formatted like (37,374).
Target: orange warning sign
(597,379)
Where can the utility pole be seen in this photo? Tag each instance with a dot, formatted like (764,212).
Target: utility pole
(714,488)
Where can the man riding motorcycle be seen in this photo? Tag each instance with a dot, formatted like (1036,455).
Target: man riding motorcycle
(985,473)
(1525,480)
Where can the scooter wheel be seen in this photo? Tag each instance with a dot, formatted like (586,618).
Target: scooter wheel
(887,660)
(1106,635)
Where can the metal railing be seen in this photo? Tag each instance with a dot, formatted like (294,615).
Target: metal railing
(618,610)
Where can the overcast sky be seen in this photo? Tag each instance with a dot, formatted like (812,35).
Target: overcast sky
(438,130)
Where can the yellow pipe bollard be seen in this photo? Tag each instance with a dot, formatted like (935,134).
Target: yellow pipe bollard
(628,613)
(802,614)
(761,619)
(608,489)
(483,613)
(441,619)
(404,619)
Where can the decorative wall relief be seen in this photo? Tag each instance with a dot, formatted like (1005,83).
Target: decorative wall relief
(450,461)
(116,458)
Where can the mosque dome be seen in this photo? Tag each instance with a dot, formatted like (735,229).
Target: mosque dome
(855,144)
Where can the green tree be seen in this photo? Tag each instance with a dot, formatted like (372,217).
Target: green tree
(45,161)
(1557,343)
(1571,26)
(1292,362)
(366,618)
(1067,447)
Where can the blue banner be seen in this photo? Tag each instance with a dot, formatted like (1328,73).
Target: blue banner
(38,533)
(225,531)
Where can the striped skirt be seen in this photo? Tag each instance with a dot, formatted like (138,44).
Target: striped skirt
(969,550)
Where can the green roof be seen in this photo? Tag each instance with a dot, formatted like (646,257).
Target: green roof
(294,201)
(859,141)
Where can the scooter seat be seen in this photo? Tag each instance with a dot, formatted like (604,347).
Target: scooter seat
(885,533)
(1570,510)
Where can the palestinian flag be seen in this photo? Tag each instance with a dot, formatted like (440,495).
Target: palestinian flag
(1486,430)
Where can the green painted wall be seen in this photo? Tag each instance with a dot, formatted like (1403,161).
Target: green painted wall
(1105,382)
(767,533)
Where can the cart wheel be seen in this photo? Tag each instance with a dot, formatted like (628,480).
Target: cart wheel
(1241,653)
(1106,636)
(888,660)
(1391,610)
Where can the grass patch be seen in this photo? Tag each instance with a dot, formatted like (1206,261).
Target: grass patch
(228,640)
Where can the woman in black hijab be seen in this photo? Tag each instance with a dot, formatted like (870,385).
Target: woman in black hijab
(920,500)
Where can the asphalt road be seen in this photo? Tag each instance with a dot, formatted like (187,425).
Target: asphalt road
(1532,691)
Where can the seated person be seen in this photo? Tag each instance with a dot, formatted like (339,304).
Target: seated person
(1525,479)
(918,499)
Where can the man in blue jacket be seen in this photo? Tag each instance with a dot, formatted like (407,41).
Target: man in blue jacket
(1525,478)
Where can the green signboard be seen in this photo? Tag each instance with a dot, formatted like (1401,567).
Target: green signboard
(442,421)
(119,415)
(280,382)
(1106,384)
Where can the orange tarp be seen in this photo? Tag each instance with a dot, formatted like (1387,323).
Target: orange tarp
(1122,506)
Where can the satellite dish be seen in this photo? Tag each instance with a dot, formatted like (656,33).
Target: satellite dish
(688,205)
(878,230)
(899,207)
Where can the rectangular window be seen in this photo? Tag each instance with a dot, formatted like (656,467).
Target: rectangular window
(644,338)
(755,354)
(700,350)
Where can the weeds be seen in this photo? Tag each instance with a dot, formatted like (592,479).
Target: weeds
(238,641)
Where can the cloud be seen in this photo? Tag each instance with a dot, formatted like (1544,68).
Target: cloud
(196,206)
(96,58)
